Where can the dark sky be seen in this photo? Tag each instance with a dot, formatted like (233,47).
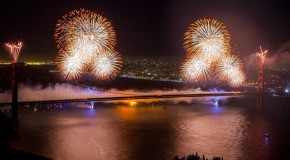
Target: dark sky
(146,28)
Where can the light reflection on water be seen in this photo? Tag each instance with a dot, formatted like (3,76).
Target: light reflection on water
(210,134)
(148,131)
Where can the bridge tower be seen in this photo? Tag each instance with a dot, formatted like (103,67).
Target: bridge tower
(260,89)
(14,50)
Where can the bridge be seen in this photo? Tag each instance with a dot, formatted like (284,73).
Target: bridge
(69,93)
(131,97)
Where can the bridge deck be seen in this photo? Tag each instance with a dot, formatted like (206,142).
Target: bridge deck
(100,99)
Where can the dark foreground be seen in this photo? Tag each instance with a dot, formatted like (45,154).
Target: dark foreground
(8,132)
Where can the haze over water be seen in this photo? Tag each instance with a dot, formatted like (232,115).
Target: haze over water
(157,130)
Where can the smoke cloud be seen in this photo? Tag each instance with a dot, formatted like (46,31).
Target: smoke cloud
(281,56)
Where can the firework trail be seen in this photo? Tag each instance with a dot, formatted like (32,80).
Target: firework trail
(14,50)
(81,37)
(262,55)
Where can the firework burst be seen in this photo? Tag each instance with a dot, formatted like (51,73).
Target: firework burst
(82,38)
(84,24)
(209,38)
(195,68)
(237,79)
(71,66)
(107,65)
(228,65)
(230,69)
(207,44)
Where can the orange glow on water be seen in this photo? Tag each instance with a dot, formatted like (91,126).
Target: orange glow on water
(133,103)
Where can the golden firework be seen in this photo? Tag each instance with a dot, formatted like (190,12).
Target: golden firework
(209,38)
(82,37)
(207,44)
(107,65)
(195,68)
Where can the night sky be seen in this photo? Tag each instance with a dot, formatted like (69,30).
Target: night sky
(146,29)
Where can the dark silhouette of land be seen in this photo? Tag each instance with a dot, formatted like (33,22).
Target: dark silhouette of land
(8,133)
(196,157)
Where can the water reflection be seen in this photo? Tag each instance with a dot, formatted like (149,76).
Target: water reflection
(216,109)
(83,139)
(151,130)
(91,112)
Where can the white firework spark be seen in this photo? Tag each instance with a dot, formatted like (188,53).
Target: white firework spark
(71,66)
(209,38)
(195,68)
(106,65)
(237,79)
(207,43)
(83,37)
(228,65)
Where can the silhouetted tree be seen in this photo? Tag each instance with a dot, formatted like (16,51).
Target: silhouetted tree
(196,157)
